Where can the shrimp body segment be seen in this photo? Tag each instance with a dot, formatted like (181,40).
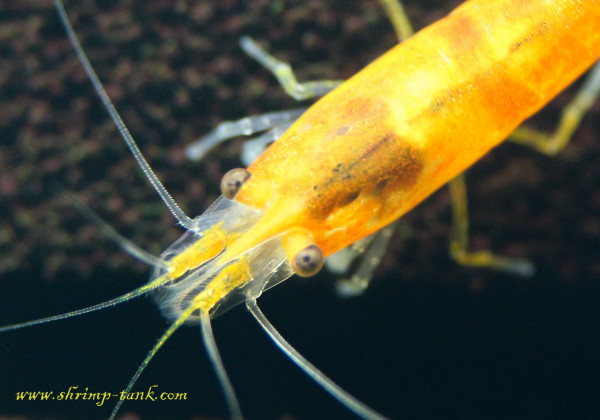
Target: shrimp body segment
(383,141)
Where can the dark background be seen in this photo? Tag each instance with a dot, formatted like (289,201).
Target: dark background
(429,339)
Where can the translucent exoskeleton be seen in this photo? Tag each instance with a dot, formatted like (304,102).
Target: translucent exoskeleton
(392,324)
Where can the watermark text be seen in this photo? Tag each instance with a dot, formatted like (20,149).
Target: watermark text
(76,393)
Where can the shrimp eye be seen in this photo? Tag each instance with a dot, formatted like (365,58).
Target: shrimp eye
(309,261)
(233,180)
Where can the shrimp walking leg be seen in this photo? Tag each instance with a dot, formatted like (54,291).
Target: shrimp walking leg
(459,241)
(551,144)
(397,16)
(311,89)
(273,124)
(285,75)
(371,255)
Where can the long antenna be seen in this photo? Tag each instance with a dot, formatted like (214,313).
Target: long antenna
(125,244)
(215,358)
(128,246)
(112,302)
(353,404)
(213,352)
(162,340)
(181,217)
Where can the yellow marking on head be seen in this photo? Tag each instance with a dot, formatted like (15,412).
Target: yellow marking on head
(213,242)
(233,276)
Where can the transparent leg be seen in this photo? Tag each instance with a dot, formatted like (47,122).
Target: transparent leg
(371,250)
(460,239)
(277,122)
(285,74)
(244,127)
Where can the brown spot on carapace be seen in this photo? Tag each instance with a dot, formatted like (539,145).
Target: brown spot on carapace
(438,103)
(387,163)
(540,31)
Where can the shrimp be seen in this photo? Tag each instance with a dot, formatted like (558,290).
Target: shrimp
(232,264)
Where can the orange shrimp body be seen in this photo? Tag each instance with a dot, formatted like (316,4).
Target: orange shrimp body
(418,116)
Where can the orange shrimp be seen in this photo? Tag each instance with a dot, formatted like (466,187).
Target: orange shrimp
(364,155)
(369,151)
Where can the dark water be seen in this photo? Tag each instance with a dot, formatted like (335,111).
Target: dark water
(428,340)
